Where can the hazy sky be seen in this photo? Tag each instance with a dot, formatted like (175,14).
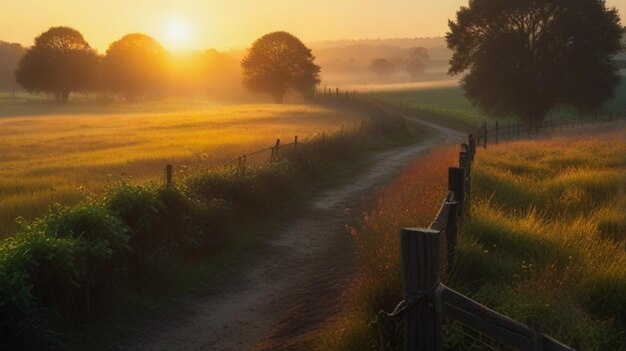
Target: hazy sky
(224,24)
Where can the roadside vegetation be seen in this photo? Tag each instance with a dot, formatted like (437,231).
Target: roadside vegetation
(73,264)
(545,243)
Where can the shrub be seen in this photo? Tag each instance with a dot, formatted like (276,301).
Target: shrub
(39,275)
(140,209)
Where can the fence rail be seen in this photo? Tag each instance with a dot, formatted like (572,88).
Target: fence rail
(426,253)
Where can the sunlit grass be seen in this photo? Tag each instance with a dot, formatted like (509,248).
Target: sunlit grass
(61,157)
(545,243)
(550,215)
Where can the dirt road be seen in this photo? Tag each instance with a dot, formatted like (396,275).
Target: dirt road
(294,282)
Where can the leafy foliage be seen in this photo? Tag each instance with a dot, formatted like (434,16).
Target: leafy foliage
(134,65)
(382,67)
(60,62)
(279,62)
(526,57)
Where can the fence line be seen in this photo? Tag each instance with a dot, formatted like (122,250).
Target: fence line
(515,130)
(426,253)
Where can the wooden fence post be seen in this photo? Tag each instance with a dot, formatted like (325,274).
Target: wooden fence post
(337,90)
(168,176)
(485,135)
(456,184)
(274,154)
(464,162)
(423,322)
(472,146)
(497,130)
(452,228)
(295,144)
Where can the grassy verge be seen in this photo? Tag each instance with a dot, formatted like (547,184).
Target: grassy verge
(544,245)
(91,264)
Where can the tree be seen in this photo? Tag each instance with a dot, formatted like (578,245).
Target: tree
(417,61)
(10,56)
(134,65)
(382,67)
(527,57)
(278,62)
(60,62)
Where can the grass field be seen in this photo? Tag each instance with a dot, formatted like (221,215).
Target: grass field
(449,100)
(545,243)
(54,153)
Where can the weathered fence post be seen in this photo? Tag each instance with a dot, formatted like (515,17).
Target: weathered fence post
(423,322)
(452,228)
(274,154)
(497,130)
(337,90)
(168,176)
(464,162)
(243,164)
(485,135)
(472,146)
(456,184)
(295,144)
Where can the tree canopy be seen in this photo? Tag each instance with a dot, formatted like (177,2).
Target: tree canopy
(60,62)
(524,58)
(279,62)
(417,61)
(134,65)
(382,67)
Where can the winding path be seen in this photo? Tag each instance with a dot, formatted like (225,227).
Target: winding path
(295,281)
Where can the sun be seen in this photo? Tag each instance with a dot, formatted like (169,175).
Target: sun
(177,34)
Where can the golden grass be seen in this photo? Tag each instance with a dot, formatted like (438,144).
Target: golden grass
(545,243)
(550,214)
(61,157)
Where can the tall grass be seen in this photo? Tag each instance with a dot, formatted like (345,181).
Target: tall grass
(545,244)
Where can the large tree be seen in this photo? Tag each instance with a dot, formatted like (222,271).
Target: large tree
(279,62)
(60,62)
(525,57)
(134,65)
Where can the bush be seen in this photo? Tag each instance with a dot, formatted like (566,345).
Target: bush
(140,209)
(253,193)
(39,275)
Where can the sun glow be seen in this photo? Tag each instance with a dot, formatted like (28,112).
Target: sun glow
(177,34)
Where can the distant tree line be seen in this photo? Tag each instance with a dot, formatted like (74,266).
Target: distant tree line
(414,65)
(62,62)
